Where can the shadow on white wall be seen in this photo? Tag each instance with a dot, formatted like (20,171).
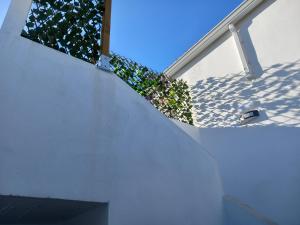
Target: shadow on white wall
(244,32)
(219,101)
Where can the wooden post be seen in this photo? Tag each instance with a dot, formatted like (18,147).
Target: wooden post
(105,34)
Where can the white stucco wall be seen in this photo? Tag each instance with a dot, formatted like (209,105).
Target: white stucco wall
(208,63)
(259,167)
(71,131)
(270,36)
(275,38)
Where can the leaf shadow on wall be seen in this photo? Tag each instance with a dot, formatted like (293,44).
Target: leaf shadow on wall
(219,101)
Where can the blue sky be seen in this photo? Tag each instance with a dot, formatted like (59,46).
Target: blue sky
(3,8)
(157,32)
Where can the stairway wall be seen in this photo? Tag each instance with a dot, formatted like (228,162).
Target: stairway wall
(71,131)
(258,165)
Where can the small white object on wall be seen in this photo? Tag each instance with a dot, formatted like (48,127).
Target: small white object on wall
(104,63)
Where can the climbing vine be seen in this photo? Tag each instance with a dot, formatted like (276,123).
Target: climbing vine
(74,27)
(70,26)
(169,96)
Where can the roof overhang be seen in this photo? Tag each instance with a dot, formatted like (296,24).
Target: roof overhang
(239,13)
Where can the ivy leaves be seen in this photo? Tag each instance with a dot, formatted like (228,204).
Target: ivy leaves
(70,26)
(74,27)
(171,97)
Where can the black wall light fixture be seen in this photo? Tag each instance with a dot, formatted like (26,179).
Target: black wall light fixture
(248,116)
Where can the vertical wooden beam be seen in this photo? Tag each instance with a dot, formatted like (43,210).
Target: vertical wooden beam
(105,34)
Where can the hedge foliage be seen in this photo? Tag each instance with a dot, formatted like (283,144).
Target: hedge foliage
(70,26)
(171,97)
(74,27)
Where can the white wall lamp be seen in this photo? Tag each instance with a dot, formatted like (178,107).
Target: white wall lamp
(242,53)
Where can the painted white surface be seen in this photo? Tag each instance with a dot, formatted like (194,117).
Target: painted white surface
(275,38)
(270,37)
(238,212)
(259,166)
(243,9)
(208,64)
(219,101)
(71,131)
(240,48)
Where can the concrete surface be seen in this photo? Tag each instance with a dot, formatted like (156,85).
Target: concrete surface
(259,166)
(80,140)
(69,131)
(219,89)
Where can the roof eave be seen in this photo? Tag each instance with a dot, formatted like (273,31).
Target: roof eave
(239,13)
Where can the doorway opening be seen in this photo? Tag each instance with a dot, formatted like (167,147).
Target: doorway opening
(27,210)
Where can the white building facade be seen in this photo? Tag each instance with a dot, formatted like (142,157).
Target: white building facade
(79,146)
(250,61)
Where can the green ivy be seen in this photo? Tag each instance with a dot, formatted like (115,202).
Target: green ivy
(70,26)
(169,96)
(74,27)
